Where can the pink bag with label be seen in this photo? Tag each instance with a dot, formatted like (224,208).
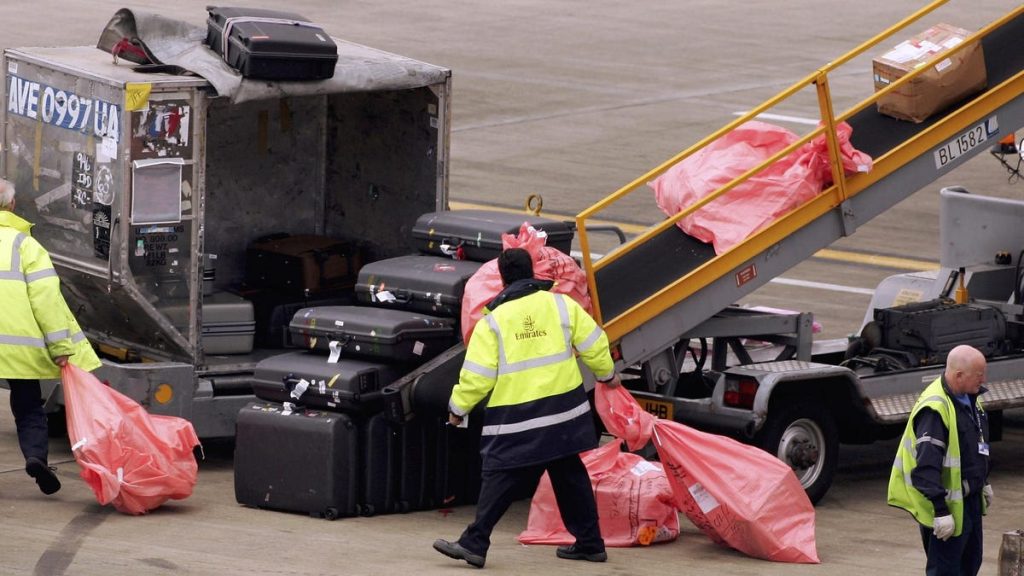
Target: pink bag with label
(739,495)
(634,502)
(548,264)
(130,458)
(764,197)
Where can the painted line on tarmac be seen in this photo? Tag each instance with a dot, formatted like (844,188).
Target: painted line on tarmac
(822,286)
(782,118)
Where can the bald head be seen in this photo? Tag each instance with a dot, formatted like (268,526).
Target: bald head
(965,370)
(6,195)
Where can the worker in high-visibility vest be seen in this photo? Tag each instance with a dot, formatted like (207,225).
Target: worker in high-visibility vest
(538,418)
(38,335)
(940,474)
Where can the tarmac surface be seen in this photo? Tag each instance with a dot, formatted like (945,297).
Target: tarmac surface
(570,100)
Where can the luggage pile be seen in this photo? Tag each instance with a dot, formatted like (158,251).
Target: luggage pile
(319,440)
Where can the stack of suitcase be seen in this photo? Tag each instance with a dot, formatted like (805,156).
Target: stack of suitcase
(324,402)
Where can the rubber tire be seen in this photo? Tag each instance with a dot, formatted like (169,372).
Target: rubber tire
(800,420)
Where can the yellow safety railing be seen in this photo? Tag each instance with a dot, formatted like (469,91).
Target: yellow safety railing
(827,200)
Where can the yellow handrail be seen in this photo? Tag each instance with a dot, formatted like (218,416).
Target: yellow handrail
(828,122)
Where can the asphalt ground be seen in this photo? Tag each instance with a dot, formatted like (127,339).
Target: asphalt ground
(570,100)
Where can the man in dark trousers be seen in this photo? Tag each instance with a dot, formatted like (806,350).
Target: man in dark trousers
(38,334)
(940,474)
(523,353)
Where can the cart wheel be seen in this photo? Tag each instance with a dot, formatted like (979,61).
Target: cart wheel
(804,435)
(331,513)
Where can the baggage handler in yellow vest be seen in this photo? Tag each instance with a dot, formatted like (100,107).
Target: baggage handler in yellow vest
(538,417)
(38,335)
(940,474)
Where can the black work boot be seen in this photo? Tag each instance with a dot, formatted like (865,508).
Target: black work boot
(573,553)
(455,550)
(44,475)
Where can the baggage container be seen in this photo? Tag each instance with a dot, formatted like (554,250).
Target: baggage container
(347,384)
(419,282)
(134,197)
(301,264)
(271,45)
(298,461)
(396,335)
(478,232)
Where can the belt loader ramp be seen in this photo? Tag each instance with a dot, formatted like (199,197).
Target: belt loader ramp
(656,292)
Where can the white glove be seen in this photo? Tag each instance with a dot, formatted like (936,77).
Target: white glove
(943,527)
(987,493)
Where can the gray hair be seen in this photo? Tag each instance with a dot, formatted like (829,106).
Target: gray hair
(6,194)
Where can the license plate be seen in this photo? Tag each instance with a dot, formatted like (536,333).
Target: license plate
(965,142)
(660,409)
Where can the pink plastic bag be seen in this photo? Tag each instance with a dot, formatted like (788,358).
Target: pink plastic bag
(739,495)
(634,502)
(776,190)
(130,458)
(548,264)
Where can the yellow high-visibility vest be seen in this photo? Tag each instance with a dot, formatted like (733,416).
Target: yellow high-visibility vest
(36,325)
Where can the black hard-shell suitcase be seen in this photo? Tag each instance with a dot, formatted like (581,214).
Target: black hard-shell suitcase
(380,466)
(273,311)
(308,379)
(477,233)
(397,335)
(419,282)
(298,461)
(270,45)
(301,264)
(457,475)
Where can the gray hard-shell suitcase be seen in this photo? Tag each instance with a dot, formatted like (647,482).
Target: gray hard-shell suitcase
(396,335)
(271,45)
(477,233)
(419,282)
(308,379)
(298,461)
(228,323)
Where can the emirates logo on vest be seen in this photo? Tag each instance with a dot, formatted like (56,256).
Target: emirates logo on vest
(530,330)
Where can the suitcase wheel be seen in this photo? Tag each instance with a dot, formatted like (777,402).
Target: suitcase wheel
(365,509)
(331,513)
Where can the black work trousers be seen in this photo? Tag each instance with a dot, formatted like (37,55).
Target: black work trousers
(960,555)
(29,418)
(573,492)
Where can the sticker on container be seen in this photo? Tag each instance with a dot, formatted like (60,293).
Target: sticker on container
(417,348)
(108,147)
(385,296)
(943,65)
(339,323)
(703,498)
(12,67)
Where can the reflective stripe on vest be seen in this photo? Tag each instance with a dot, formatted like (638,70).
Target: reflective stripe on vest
(15,272)
(535,423)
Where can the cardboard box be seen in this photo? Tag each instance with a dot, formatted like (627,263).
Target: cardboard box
(947,82)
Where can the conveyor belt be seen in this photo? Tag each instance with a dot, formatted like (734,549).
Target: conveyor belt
(659,264)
